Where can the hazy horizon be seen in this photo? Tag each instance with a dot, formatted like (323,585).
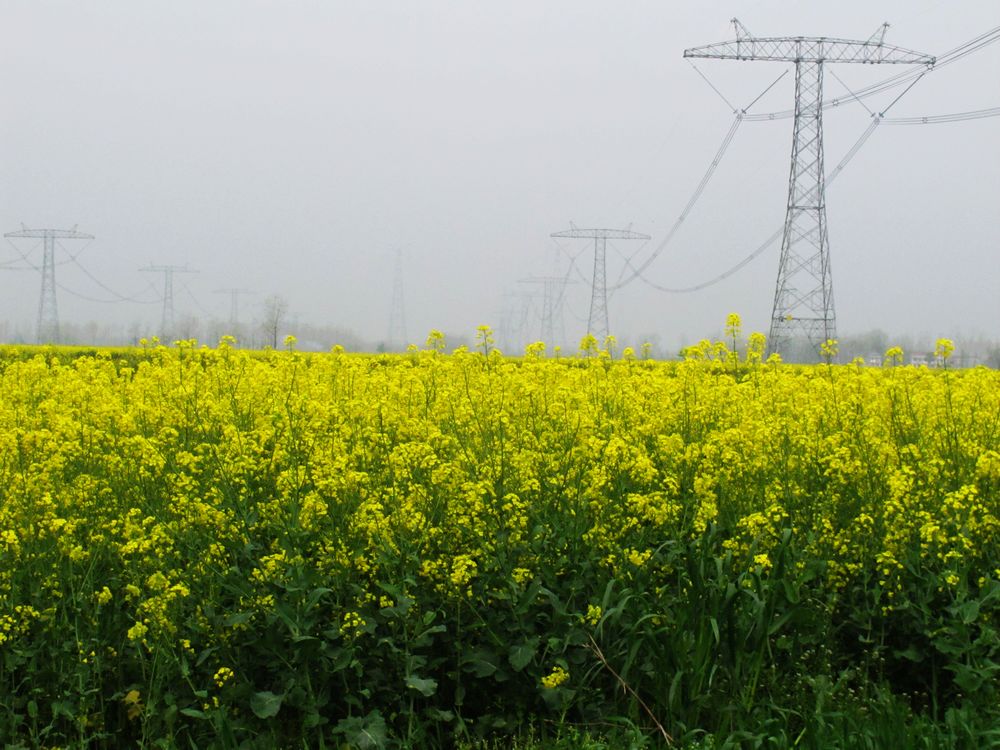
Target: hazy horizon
(291,149)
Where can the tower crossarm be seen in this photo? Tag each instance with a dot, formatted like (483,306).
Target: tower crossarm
(602,234)
(58,234)
(809,49)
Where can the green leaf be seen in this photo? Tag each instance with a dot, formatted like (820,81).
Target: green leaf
(193,713)
(426,687)
(969,612)
(438,715)
(314,597)
(364,733)
(204,655)
(239,618)
(969,679)
(779,622)
(912,654)
(482,663)
(314,719)
(520,656)
(266,704)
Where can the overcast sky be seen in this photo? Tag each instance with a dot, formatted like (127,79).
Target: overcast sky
(291,147)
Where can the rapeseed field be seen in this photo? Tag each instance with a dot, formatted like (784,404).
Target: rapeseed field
(210,547)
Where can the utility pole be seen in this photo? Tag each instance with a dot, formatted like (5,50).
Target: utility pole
(803,297)
(48,311)
(167,318)
(597,321)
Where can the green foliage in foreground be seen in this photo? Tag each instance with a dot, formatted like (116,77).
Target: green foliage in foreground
(208,549)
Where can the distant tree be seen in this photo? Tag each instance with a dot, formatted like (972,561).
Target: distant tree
(275,311)
(992,358)
(187,327)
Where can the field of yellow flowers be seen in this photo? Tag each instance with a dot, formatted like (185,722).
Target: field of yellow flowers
(209,547)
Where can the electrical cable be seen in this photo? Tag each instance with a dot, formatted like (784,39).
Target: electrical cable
(706,178)
(573,259)
(910,77)
(95,299)
(712,86)
(24,256)
(727,139)
(853,95)
(112,292)
(899,79)
(977,114)
(851,153)
(195,300)
(73,259)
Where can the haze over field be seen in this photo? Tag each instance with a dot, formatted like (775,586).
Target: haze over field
(291,148)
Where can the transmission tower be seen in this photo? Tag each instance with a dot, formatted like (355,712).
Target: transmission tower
(167,319)
(803,297)
(597,321)
(234,307)
(397,338)
(553,293)
(515,311)
(506,335)
(48,311)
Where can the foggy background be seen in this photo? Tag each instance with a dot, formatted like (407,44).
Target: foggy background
(290,149)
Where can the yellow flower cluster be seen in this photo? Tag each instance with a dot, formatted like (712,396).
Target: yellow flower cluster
(555,678)
(148,479)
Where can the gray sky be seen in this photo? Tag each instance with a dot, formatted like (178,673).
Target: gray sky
(290,147)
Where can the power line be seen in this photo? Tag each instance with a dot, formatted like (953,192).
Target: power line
(876,120)
(118,297)
(976,114)
(803,297)
(167,317)
(87,298)
(699,189)
(851,153)
(48,311)
(597,322)
(899,79)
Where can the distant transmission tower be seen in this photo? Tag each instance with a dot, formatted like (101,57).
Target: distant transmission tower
(507,336)
(803,297)
(167,319)
(553,294)
(597,321)
(397,338)
(48,311)
(234,306)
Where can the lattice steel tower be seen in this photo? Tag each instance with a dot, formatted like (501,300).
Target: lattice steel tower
(553,294)
(48,311)
(167,318)
(803,297)
(234,306)
(597,321)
